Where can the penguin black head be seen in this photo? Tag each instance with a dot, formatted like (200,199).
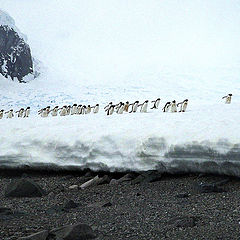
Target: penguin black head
(127,102)
(173,101)
(89,106)
(185,100)
(74,104)
(146,101)
(28,108)
(230,94)
(48,107)
(97,104)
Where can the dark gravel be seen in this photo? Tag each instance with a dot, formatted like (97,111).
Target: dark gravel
(170,208)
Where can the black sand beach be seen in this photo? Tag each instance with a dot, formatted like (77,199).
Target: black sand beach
(154,206)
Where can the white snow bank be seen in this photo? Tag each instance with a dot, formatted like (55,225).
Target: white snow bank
(126,142)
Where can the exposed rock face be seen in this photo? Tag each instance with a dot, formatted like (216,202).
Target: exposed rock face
(15,54)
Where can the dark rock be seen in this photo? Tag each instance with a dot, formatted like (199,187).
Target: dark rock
(15,55)
(184,221)
(8,213)
(182,195)
(5,211)
(72,232)
(209,188)
(147,177)
(104,180)
(126,178)
(43,235)
(101,204)
(113,181)
(24,188)
(70,204)
(138,194)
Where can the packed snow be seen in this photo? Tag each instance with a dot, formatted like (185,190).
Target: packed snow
(101,51)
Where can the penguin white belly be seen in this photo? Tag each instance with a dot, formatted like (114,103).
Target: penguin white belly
(184,107)
(1,115)
(135,107)
(167,108)
(73,110)
(111,110)
(10,115)
(27,113)
(228,100)
(44,114)
(20,114)
(173,108)
(54,113)
(144,107)
(120,110)
(96,109)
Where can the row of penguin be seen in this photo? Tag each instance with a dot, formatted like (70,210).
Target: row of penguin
(109,109)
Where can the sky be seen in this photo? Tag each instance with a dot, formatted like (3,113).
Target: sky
(118,41)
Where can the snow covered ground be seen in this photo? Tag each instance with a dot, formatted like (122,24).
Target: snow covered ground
(94,52)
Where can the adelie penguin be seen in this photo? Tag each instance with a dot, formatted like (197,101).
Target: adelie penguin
(110,110)
(155,104)
(20,112)
(144,106)
(166,107)
(134,106)
(88,110)
(79,109)
(228,98)
(183,105)
(26,112)
(106,107)
(126,106)
(96,108)
(10,113)
(173,106)
(63,111)
(54,111)
(44,112)
(74,109)
(120,108)
(1,113)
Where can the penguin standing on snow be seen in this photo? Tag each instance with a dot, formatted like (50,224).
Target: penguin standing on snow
(144,106)
(88,110)
(155,104)
(183,105)
(120,108)
(54,111)
(10,113)
(134,106)
(44,112)
(84,110)
(96,108)
(166,107)
(126,106)
(110,110)
(106,107)
(173,106)
(63,111)
(26,112)
(228,98)
(48,109)
(1,113)
(79,109)
(74,109)
(20,112)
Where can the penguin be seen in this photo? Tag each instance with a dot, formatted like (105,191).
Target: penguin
(110,110)
(84,110)
(183,105)
(134,106)
(166,107)
(96,108)
(68,110)
(44,112)
(88,110)
(117,106)
(106,107)
(48,109)
(173,106)
(126,106)
(120,108)
(20,112)
(74,109)
(228,98)
(26,112)
(144,106)
(10,113)
(155,104)
(63,111)
(1,113)
(79,109)
(54,111)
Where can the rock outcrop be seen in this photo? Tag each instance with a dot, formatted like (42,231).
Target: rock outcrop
(15,54)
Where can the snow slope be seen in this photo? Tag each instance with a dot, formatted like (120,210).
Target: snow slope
(101,51)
